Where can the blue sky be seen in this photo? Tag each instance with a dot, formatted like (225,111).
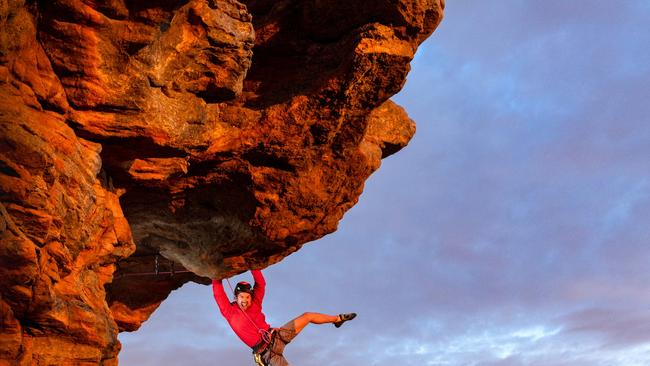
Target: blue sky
(513,230)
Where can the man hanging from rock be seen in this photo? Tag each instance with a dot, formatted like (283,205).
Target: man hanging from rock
(245,317)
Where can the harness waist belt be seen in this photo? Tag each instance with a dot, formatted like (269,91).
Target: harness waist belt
(262,344)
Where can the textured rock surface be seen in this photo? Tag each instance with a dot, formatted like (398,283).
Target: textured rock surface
(208,136)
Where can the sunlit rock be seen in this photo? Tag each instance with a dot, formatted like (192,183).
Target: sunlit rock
(144,144)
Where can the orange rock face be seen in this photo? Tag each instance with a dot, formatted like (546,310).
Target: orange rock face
(194,138)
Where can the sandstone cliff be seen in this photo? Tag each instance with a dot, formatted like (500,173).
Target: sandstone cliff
(197,138)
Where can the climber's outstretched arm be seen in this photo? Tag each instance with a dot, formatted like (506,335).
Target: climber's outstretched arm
(259,288)
(221,297)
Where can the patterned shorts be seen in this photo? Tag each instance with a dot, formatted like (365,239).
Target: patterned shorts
(281,337)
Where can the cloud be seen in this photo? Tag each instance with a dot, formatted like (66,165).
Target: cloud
(618,327)
(511,231)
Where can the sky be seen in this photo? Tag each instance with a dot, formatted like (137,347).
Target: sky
(512,230)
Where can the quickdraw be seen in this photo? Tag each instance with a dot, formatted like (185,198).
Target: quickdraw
(258,359)
(171,270)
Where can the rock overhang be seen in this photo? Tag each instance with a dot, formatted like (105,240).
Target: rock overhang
(215,135)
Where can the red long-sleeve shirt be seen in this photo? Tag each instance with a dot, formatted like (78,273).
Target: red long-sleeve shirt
(241,324)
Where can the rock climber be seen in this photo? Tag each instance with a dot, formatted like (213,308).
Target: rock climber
(245,317)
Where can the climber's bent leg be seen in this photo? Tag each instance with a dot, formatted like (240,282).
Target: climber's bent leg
(277,360)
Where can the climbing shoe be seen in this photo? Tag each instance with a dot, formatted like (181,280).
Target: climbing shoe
(344,318)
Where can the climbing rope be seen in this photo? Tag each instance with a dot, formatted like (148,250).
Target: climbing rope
(265,334)
(156,272)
